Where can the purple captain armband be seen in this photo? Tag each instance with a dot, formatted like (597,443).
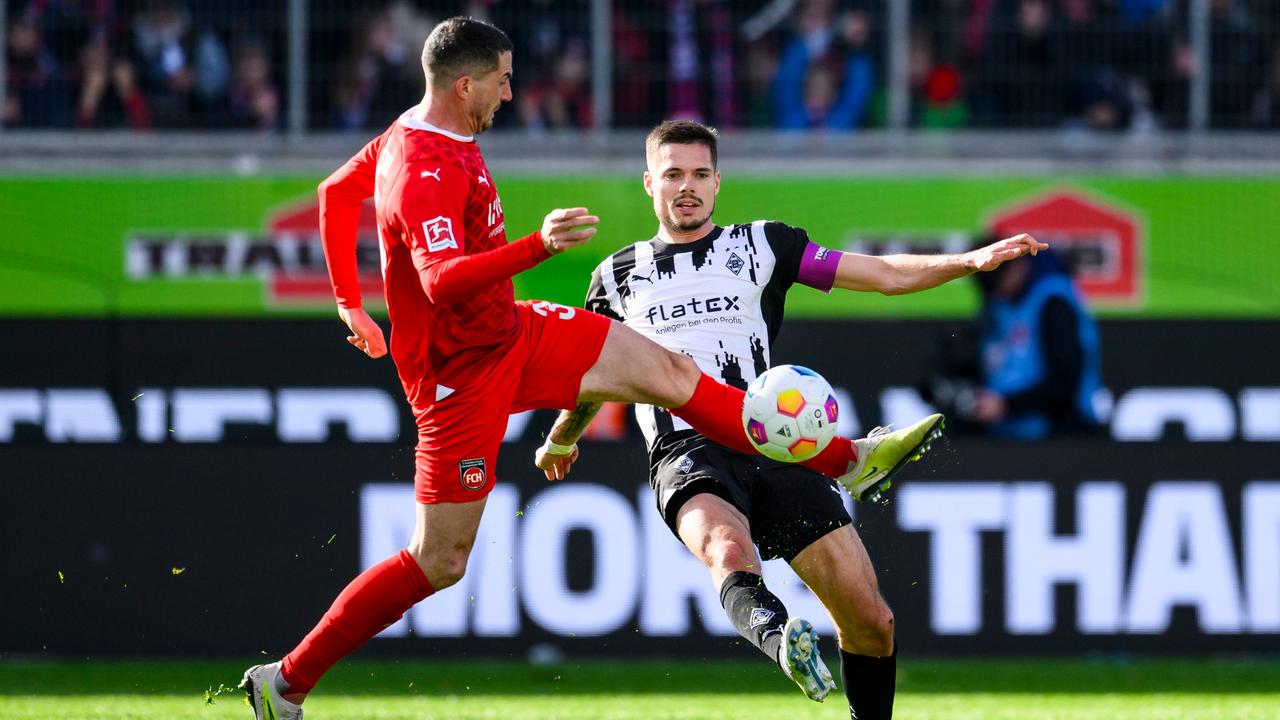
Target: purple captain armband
(818,267)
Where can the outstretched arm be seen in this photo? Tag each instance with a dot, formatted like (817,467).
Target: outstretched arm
(342,196)
(902,274)
(559,452)
(459,276)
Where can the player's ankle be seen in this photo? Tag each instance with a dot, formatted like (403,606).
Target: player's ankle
(286,691)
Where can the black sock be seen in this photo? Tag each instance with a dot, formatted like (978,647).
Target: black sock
(869,683)
(757,614)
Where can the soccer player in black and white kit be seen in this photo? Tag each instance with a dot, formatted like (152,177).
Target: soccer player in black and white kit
(716,294)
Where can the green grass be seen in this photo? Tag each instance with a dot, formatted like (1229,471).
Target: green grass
(648,690)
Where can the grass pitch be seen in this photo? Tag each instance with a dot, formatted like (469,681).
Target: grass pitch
(650,690)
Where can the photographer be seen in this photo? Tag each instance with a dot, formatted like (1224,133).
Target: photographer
(1033,367)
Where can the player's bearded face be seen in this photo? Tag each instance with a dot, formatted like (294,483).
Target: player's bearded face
(491,90)
(684,186)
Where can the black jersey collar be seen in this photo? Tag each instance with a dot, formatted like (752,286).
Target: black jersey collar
(663,248)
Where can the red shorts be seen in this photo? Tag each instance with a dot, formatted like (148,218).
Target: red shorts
(459,434)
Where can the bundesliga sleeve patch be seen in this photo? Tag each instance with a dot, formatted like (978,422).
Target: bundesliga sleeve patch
(439,232)
(472,473)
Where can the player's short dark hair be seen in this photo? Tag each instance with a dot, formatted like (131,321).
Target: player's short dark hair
(462,46)
(682,132)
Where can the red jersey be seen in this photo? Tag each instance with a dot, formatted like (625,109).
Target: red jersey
(446,263)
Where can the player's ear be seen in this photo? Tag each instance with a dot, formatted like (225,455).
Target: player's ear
(717,191)
(462,86)
(648,183)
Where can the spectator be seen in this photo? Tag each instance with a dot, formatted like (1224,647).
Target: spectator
(683,71)
(163,62)
(634,85)
(382,76)
(1038,355)
(1237,59)
(826,74)
(1088,48)
(1019,82)
(562,100)
(552,47)
(253,101)
(35,88)
(67,27)
(936,100)
(83,37)
(761,63)
(108,91)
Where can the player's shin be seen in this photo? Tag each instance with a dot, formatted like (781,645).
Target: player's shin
(835,458)
(757,614)
(869,683)
(368,605)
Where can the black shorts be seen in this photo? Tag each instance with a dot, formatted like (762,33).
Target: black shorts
(788,506)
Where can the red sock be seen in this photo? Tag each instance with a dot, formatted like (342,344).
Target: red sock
(374,600)
(834,459)
(715,410)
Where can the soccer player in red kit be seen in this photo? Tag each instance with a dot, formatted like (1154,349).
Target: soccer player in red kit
(467,354)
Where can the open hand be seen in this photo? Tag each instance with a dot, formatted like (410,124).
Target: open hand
(563,229)
(366,335)
(997,253)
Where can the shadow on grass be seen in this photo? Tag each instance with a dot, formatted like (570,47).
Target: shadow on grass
(644,677)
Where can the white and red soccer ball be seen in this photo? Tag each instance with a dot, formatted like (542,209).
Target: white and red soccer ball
(790,413)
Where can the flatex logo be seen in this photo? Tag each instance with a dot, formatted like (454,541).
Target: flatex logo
(287,257)
(695,306)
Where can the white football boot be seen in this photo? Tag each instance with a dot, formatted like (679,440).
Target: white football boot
(259,684)
(883,452)
(801,661)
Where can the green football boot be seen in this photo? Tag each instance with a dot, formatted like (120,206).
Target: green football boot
(883,452)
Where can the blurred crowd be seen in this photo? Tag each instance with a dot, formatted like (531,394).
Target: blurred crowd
(787,64)
(141,64)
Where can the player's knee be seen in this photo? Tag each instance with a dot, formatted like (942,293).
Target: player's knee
(869,633)
(679,378)
(442,567)
(449,571)
(731,555)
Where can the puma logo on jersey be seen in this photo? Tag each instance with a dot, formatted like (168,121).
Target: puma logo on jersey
(647,278)
(431,173)
(484,179)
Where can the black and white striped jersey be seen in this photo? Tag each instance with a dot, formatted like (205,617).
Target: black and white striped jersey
(718,300)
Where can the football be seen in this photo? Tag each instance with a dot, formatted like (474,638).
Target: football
(790,413)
